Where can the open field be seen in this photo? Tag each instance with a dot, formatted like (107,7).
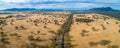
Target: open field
(53,29)
(102,32)
(23,29)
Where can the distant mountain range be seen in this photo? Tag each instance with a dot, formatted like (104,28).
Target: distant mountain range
(42,10)
(20,9)
(103,9)
(34,9)
(31,9)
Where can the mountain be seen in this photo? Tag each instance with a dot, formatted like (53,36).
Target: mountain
(31,9)
(42,10)
(20,9)
(102,9)
(50,10)
(105,11)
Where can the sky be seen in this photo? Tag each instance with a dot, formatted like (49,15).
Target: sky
(59,4)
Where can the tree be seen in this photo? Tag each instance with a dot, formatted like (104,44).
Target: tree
(16,27)
(22,27)
(45,27)
(104,42)
(116,22)
(83,33)
(30,38)
(93,28)
(38,32)
(93,43)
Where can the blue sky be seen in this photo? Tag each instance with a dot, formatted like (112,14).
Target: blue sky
(59,4)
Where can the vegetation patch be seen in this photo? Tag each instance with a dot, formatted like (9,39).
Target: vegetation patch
(104,42)
(83,33)
(93,43)
(113,46)
(84,20)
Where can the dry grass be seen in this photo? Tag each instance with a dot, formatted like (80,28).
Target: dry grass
(38,29)
(39,25)
(110,31)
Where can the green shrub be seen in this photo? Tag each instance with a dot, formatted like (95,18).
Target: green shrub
(22,27)
(45,27)
(14,34)
(84,20)
(116,22)
(104,42)
(3,22)
(36,25)
(93,43)
(119,30)
(52,32)
(16,27)
(4,40)
(94,29)
(83,33)
(2,34)
(33,45)
(39,39)
(113,46)
(30,38)
(38,32)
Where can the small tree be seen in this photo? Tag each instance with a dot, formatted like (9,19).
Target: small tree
(38,32)
(30,38)
(22,27)
(45,27)
(93,43)
(119,30)
(83,33)
(11,23)
(2,34)
(16,27)
(36,25)
(116,22)
(107,22)
(104,42)
(94,29)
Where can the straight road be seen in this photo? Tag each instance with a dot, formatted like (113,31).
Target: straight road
(66,28)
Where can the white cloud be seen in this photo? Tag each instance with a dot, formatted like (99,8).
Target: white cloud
(108,1)
(16,1)
(61,4)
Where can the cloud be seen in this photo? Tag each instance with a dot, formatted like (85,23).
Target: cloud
(59,4)
(13,1)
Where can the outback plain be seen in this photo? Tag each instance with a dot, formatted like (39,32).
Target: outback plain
(52,29)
